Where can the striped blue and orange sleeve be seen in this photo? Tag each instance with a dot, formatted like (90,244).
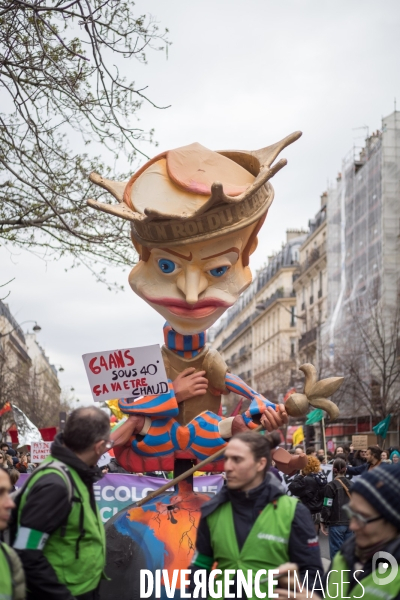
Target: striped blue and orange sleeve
(164,405)
(258,403)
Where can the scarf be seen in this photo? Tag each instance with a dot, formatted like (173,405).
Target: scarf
(187,346)
(365,554)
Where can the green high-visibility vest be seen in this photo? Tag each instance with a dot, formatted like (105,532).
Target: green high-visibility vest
(6,583)
(266,546)
(337,585)
(76,550)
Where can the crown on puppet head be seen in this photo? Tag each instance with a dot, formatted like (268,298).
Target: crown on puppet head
(192,193)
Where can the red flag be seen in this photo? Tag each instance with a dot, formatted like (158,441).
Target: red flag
(236,410)
(6,408)
(289,393)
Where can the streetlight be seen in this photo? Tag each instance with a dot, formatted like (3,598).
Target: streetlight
(36,328)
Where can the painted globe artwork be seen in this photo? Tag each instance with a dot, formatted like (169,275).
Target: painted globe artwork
(161,534)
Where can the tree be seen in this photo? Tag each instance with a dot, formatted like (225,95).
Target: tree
(62,91)
(23,385)
(369,358)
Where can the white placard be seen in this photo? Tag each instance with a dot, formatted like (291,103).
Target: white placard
(328,470)
(39,451)
(104,459)
(127,373)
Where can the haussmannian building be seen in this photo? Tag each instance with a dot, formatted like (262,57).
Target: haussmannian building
(258,335)
(311,288)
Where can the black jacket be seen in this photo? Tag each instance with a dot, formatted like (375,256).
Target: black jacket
(246,506)
(46,509)
(310,490)
(335,498)
(348,551)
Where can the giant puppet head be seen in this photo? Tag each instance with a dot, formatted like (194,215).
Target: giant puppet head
(195,215)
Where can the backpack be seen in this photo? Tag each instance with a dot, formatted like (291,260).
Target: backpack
(316,500)
(10,533)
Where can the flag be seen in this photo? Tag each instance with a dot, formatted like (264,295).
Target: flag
(382,427)
(27,431)
(237,409)
(113,406)
(298,436)
(315,416)
(6,408)
(289,393)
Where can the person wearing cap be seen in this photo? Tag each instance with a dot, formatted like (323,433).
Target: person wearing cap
(368,562)
(12,578)
(195,215)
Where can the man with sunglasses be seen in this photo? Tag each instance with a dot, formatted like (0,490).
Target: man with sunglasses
(368,564)
(60,537)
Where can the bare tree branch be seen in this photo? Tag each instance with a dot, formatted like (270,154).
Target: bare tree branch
(61,94)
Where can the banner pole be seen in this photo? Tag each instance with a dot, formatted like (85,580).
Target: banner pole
(187,473)
(324,438)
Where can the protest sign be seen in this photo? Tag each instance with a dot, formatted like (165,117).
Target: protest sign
(127,373)
(115,491)
(328,470)
(361,442)
(40,451)
(104,459)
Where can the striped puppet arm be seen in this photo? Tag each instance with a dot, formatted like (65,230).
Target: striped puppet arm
(273,415)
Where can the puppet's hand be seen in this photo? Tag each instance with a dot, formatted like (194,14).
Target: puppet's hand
(272,419)
(271,416)
(190,383)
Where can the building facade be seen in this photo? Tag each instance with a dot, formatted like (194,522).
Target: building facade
(363,268)
(311,289)
(258,336)
(27,378)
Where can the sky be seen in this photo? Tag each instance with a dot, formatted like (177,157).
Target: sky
(239,75)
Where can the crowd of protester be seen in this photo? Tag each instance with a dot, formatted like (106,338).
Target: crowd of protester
(349,495)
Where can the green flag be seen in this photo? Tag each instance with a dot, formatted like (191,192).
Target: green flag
(382,427)
(314,416)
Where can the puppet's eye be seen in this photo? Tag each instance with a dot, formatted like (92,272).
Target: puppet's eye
(166,266)
(218,271)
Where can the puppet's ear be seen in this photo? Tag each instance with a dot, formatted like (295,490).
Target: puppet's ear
(253,246)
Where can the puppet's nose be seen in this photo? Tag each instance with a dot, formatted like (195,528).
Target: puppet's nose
(192,282)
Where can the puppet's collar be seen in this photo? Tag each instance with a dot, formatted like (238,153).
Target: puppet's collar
(187,346)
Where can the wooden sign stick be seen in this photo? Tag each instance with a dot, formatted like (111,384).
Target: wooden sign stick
(186,474)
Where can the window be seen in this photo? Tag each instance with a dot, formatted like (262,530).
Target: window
(292,316)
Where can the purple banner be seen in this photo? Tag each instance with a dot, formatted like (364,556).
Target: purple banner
(115,491)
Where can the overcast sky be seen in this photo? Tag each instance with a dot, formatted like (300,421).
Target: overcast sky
(239,75)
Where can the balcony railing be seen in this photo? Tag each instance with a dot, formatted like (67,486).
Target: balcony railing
(314,255)
(244,351)
(265,304)
(308,337)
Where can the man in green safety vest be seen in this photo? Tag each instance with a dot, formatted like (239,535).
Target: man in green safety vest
(368,565)
(60,537)
(12,579)
(251,525)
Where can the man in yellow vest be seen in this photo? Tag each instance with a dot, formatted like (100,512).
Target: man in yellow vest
(12,579)
(60,537)
(251,524)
